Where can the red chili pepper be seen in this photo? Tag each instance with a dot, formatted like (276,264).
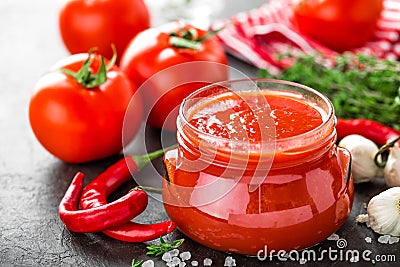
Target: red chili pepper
(95,194)
(136,232)
(378,133)
(96,219)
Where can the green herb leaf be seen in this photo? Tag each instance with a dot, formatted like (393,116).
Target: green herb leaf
(359,85)
(163,246)
(136,264)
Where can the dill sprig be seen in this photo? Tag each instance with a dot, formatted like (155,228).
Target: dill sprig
(359,85)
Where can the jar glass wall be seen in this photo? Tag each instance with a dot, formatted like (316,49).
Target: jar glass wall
(281,182)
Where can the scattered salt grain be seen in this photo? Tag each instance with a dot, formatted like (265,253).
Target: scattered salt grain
(195,263)
(166,257)
(207,262)
(333,237)
(393,240)
(182,264)
(384,239)
(148,263)
(229,261)
(170,264)
(355,259)
(174,252)
(176,260)
(185,256)
(368,240)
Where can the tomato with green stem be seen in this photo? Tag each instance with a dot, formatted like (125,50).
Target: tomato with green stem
(170,62)
(84,24)
(339,24)
(77,109)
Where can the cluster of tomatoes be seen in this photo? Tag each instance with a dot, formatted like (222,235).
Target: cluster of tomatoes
(78,108)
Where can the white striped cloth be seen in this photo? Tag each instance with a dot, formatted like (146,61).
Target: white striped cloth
(259,35)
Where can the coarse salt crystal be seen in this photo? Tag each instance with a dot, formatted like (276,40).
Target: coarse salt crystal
(182,264)
(171,264)
(384,239)
(195,263)
(176,260)
(186,255)
(333,237)
(207,262)
(174,252)
(148,263)
(393,240)
(229,261)
(355,259)
(166,257)
(368,240)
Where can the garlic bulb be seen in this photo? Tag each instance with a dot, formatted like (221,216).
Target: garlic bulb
(362,150)
(383,212)
(391,172)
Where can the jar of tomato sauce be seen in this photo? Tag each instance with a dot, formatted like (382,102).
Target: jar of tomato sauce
(257,167)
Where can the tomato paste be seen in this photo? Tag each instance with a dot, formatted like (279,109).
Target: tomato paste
(257,167)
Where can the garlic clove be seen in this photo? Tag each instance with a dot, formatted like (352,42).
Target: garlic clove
(383,212)
(391,172)
(363,151)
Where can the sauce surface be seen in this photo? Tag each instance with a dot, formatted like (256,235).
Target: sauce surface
(249,116)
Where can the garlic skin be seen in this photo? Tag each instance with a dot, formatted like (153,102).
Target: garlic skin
(391,172)
(362,150)
(383,212)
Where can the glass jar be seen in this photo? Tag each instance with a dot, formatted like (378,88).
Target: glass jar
(288,187)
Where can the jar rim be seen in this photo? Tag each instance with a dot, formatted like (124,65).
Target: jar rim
(329,119)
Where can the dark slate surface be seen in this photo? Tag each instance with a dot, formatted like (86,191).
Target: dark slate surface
(32,182)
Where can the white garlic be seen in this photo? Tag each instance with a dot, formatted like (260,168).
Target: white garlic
(383,212)
(363,151)
(391,172)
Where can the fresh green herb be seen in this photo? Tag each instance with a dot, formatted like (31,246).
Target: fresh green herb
(158,250)
(359,86)
(136,264)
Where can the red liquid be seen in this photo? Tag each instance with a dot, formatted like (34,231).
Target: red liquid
(301,200)
(241,116)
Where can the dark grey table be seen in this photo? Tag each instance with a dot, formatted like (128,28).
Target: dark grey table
(32,181)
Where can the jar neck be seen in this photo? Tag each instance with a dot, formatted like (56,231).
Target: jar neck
(204,149)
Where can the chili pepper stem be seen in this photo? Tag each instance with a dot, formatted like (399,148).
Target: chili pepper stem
(143,160)
(382,150)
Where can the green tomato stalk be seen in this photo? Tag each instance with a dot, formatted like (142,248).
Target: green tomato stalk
(85,75)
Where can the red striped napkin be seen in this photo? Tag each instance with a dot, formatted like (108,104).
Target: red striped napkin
(259,35)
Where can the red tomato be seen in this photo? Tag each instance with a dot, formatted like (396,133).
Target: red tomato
(99,23)
(167,73)
(339,24)
(79,124)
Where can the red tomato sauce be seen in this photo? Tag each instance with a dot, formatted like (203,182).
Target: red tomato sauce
(238,115)
(296,205)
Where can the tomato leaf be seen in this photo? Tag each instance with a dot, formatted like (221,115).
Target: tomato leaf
(181,42)
(189,38)
(98,78)
(85,75)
